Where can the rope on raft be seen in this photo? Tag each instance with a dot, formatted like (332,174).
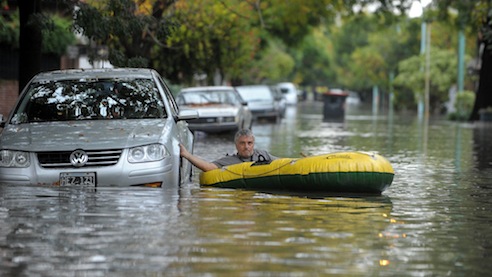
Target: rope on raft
(257,175)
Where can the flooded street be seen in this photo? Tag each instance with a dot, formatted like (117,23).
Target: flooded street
(434,220)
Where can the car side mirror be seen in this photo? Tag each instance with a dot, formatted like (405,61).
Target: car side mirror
(2,123)
(187,115)
(244,103)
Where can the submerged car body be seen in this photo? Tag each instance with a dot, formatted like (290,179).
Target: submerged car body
(220,109)
(98,127)
(261,101)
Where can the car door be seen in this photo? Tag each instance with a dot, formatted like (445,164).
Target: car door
(185,136)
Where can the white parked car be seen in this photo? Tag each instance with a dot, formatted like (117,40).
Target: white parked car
(290,92)
(100,127)
(353,99)
(220,109)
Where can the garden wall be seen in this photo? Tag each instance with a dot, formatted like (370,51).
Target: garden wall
(9,92)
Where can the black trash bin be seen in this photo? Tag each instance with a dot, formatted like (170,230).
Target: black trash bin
(334,105)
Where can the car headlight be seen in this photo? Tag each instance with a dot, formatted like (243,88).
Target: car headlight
(10,158)
(147,153)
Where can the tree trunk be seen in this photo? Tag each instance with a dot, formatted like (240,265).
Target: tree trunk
(483,97)
(30,41)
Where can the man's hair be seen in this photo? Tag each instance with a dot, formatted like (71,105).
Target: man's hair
(243,132)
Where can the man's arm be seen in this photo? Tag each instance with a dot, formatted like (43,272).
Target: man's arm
(196,161)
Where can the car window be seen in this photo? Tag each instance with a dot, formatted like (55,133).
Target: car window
(254,94)
(194,98)
(208,97)
(90,99)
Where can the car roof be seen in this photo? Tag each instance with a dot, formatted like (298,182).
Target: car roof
(207,88)
(71,74)
(254,87)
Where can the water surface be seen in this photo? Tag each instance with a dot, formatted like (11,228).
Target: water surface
(433,221)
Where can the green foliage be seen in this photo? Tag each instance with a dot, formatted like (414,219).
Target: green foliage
(464,105)
(129,33)
(213,36)
(310,42)
(245,41)
(442,74)
(291,21)
(57,34)
(58,37)
(9,29)
(350,35)
(367,49)
(272,66)
(315,59)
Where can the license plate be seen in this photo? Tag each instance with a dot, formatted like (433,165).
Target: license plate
(87,179)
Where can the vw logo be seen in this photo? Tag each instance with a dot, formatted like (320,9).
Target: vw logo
(78,158)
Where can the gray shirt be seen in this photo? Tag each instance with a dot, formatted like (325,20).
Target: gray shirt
(258,155)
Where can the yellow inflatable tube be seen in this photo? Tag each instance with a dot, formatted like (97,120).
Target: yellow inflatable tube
(351,172)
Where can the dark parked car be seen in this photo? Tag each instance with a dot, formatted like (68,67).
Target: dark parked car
(100,127)
(220,109)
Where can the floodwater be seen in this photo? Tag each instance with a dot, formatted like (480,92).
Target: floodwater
(434,220)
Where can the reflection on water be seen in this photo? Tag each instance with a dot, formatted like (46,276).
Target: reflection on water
(433,221)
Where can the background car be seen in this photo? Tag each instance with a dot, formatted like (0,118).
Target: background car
(353,99)
(220,109)
(290,91)
(99,127)
(280,100)
(261,101)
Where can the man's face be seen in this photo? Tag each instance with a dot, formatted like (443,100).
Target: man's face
(245,146)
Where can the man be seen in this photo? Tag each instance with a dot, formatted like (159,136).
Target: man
(245,144)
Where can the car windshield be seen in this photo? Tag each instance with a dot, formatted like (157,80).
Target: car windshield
(90,99)
(255,94)
(207,97)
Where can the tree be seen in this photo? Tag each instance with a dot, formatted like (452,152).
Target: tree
(271,66)
(315,60)
(443,71)
(129,28)
(214,38)
(476,15)
(40,33)
(181,38)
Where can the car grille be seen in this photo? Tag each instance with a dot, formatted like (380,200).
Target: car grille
(61,159)
(203,120)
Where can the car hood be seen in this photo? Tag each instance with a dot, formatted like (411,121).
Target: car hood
(95,134)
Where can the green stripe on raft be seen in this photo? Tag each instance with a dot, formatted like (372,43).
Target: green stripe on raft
(351,172)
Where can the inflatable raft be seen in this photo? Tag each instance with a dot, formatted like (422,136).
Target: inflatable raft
(345,172)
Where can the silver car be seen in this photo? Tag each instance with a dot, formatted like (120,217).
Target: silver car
(100,127)
(280,100)
(220,109)
(261,101)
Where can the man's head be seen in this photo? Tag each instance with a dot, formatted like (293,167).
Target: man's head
(245,143)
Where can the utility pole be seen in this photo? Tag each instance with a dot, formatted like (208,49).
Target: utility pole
(427,73)
(461,58)
(423,36)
